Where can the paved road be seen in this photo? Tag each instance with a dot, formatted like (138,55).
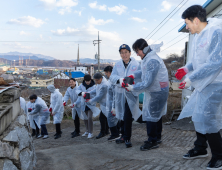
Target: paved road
(81,153)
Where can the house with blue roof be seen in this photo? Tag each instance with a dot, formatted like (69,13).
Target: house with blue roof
(75,74)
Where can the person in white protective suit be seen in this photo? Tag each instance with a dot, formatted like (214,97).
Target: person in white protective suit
(71,93)
(110,107)
(23,105)
(126,103)
(155,85)
(204,73)
(40,108)
(100,96)
(34,120)
(87,110)
(56,108)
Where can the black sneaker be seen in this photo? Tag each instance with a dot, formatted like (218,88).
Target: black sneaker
(33,134)
(60,133)
(57,136)
(100,135)
(159,141)
(75,134)
(149,145)
(215,164)
(193,154)
(112,138)
(128,143)
(120,140)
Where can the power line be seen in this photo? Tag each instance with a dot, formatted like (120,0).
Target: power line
(164,19)
(38,30)
(45,41)
(182,38)
(168,32)
(168,19)
(174,38)
(174,43)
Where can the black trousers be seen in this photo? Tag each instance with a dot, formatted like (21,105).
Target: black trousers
(35,131)
(58,128)
(114,131)
(44,130)
(103,123)
(77,123)
(120,126)
(128,119)
(214,141)
(154,130)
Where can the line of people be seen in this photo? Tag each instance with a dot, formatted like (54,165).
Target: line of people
(118,101)
(119,98)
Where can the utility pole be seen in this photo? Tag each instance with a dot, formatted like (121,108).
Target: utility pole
(78,63)
(98,42)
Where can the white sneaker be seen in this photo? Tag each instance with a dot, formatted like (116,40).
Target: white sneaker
(90,135)
(39,136)
(45,136)
(85,134)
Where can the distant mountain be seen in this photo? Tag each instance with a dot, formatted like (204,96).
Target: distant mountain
(94,61)
(15,56)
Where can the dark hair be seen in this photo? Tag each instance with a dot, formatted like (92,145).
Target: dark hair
(139,44)
(87,77)
(108,69)
(98,76)
(195,11)
(34,96)
(72,79)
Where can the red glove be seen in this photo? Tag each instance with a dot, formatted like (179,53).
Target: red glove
(181,72)
(185,84)
(131,76)
(87,100)
(72,106)
(123,84)
(50,109)
(84,95)
(64,103)
(182,85)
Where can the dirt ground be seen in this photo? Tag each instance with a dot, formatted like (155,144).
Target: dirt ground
(80,153)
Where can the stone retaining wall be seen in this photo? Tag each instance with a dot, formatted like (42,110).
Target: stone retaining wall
(16,144)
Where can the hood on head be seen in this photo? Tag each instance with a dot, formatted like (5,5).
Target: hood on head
(51,88)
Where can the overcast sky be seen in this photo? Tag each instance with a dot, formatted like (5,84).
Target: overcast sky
(48,26)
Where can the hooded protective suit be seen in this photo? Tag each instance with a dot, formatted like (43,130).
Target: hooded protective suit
(56,104)
(100,91)
(72,94)
(110,104)
(23,105)
(155,85)
(42,110)
(33,118)
(205,75)
(121,95)
(81,101)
